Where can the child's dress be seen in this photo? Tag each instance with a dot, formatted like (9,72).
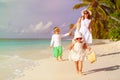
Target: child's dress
(77,53)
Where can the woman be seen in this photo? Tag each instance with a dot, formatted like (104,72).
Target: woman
(83,26)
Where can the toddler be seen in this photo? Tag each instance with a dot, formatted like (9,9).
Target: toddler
(56,43)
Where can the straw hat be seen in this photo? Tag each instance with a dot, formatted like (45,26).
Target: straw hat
(82,12)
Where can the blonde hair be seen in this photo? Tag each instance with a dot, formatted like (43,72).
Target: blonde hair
(56,29)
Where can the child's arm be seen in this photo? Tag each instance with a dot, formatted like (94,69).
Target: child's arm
(64,35)
(52,41)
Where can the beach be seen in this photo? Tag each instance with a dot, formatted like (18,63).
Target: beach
(107,66)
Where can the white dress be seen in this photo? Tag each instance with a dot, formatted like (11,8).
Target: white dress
(85,31)
(77,53)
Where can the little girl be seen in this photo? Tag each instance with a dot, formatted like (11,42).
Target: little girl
(77,52)
(56,43)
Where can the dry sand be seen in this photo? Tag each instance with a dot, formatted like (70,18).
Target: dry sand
(107,66)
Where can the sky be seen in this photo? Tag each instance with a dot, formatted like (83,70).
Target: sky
(36,18)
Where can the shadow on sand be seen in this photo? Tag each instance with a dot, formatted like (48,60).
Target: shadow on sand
(111,68)
(108,54)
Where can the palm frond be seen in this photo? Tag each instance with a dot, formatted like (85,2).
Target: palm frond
(77,6)
(101,12)
(118,4)
(107,9)
(114,19)
(86,0)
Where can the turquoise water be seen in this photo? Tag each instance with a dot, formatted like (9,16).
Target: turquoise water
(14,44)
(17,55)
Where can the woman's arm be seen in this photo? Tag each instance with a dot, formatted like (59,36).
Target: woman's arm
(78,21)
(90,26)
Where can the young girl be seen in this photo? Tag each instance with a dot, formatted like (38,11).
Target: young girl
(56,43)
(77,52)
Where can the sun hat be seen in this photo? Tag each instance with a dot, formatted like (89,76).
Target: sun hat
(82,12)
(77,35)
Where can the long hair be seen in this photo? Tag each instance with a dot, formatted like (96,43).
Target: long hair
(89,16)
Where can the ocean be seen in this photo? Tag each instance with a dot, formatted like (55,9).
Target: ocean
(17,55)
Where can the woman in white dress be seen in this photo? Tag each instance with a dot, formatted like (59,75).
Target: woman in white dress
(83,25)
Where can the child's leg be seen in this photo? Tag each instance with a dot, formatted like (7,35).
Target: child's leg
(77,66)
(80,66)
(61,58)
(60,52)
(55,51)
(56,58)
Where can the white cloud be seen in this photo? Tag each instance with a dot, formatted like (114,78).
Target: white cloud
(47,25)
(63,25)
(40,27)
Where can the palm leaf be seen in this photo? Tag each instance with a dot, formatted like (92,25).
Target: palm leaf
(118,4)
(77,6)
(101,12)
(86,0)
(114,19)
(107,9)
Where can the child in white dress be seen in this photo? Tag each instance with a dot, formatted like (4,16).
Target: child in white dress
(77,52)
